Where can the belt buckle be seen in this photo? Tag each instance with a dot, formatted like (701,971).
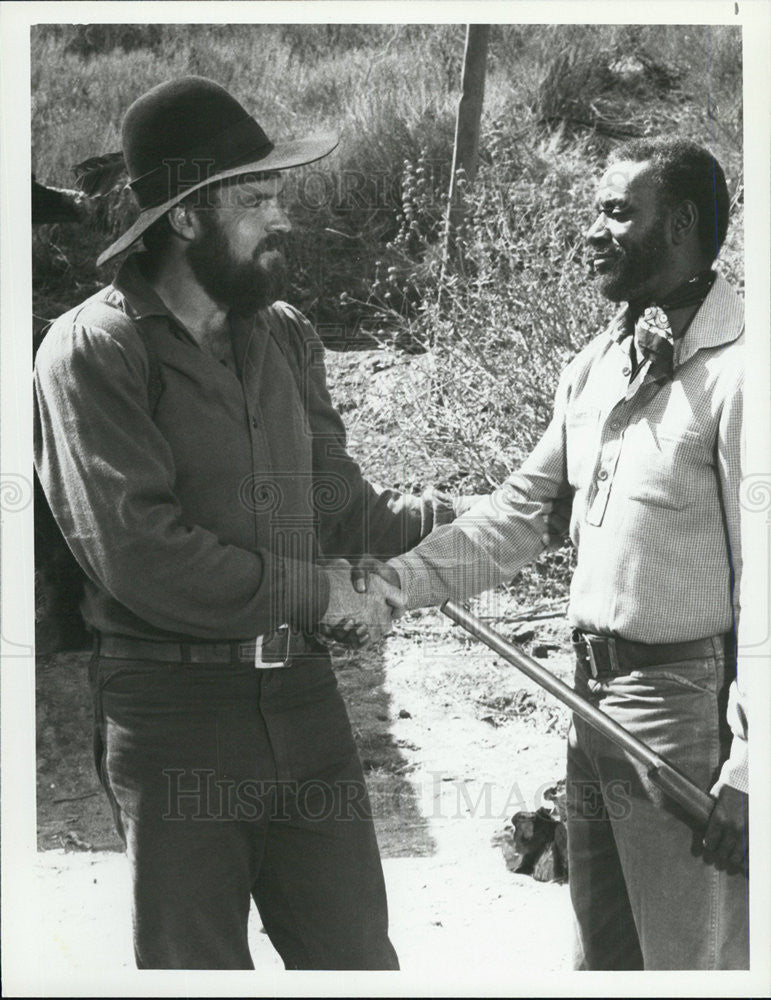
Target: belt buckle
(609,644)
(283,659)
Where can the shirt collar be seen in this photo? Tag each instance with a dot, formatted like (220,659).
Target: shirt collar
(140,297)
(719,320)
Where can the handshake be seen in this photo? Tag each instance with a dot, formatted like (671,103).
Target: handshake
(364,599)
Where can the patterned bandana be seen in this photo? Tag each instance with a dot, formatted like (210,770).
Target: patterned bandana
(653,342)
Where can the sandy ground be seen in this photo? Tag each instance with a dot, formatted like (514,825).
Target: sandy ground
(465,765)
(439,920)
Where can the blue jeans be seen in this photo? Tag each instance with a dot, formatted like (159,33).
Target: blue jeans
(642,895)
(230,784)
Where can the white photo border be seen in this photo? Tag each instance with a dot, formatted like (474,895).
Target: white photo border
(24,955)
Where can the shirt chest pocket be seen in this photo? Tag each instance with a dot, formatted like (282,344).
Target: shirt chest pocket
(664,467)
(582,426)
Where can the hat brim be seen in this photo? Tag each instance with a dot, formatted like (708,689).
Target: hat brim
(281,157)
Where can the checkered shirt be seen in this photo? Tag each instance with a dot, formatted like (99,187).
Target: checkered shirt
(655,480)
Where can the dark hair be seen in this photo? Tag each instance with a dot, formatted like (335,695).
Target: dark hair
(157,236)
(684,171)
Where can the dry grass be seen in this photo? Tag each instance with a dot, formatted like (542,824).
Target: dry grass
(366,257)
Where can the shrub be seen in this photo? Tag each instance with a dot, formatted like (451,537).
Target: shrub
(368,249)
(96,39)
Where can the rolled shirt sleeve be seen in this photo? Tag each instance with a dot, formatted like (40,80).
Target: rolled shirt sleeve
(108,473)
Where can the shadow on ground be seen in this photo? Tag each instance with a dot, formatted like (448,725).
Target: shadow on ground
(401,827)
(72,810)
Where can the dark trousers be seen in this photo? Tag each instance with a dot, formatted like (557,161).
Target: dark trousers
(229,784)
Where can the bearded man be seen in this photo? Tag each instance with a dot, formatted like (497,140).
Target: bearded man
(189,450)
(645,442)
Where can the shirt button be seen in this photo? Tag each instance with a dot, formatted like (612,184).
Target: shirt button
(255,422)
(614,425)
(626,371)
(602,474)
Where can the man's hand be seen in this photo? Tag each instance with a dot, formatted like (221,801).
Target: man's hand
(726,837)
(557,514)
(356,617)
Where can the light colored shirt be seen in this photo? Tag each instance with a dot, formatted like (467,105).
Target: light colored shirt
(655,480)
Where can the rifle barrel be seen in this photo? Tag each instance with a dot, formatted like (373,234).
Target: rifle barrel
(696,802)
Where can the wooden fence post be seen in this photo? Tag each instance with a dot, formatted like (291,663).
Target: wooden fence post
(466,150)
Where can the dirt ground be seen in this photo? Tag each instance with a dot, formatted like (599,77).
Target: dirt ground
(453,742)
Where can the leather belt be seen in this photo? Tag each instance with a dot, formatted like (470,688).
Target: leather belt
(274,649)
(604,655)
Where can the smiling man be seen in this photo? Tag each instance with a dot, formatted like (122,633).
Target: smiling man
(191,455)
(645,442)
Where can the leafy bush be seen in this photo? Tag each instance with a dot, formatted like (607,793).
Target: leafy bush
(461,382)
(97,39)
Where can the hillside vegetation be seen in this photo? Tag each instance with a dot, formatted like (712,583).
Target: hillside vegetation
(455,368)
(457,381)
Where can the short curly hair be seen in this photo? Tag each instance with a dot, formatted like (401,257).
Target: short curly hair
(683,171)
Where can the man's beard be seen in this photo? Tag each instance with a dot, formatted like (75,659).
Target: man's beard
(243,287)
(634,266)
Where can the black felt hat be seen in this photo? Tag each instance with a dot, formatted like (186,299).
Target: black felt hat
(187,133)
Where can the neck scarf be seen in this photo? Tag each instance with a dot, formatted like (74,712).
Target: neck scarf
(653,342)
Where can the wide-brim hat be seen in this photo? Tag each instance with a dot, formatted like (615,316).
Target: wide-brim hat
(188,133)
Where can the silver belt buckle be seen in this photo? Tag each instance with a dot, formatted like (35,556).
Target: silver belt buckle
(610,644)
(590,654)
(262,664)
